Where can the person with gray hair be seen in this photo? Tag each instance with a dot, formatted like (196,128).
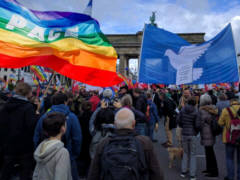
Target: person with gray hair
(205,99)
(208,113)
(125,146)
(124,120)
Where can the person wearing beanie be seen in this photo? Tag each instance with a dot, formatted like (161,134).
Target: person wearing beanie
(107,93)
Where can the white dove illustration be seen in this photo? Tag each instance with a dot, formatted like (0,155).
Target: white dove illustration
(184,60)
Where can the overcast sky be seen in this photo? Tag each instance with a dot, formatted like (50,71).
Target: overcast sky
(179,16)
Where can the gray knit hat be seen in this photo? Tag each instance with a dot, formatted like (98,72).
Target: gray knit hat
(107,93)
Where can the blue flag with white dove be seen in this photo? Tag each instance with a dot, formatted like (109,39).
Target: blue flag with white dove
(166,58)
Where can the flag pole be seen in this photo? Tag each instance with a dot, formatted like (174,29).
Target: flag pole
(45,92)
(49,83)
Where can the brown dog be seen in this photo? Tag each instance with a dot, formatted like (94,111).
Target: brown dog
(174,153)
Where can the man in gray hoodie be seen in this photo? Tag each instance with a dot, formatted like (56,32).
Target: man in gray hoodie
(53,161)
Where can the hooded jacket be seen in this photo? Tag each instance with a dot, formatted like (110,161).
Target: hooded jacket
(95,101)
(207,114)
(17,125)
(187,120)
(53,162)
(153,112)
(225,119)
(141,104)
(73,135)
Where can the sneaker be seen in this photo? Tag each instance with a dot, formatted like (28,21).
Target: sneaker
(193,178)
(183,175)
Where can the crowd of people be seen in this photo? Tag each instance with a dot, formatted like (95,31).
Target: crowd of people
(71,135)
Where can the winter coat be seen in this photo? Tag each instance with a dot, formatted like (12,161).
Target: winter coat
(157,101)
(187,120)
(141,104)
(3,100)
(225,118)
(168,108)
(94,101)
(139,116)
(3,123)
(153,166)
(17,125)
(104,116)
(53,161)
(154,118)
(221,105)
(84,119)
(73,135)
(207,114)
(46,103)
(214,99)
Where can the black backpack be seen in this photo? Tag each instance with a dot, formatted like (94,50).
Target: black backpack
(123,158)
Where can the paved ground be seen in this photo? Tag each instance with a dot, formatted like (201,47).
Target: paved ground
(174,173)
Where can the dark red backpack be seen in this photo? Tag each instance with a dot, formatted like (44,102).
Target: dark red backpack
(148,112)
(233,134)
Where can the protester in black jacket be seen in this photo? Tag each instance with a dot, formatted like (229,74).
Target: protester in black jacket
(84,158)
(213,97)
(157,101)
(141,119)
(3,100)
(20,120)
(168,107)
(187,118)
(188,122)
(140,101)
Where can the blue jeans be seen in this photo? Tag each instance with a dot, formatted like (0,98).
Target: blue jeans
(230,151)
(140,129)
(74,170)
(150,129)
(161,127)
(189,150)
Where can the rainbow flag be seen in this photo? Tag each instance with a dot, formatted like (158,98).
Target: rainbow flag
(39,73)
(35,81)
(126,81)
(70,43)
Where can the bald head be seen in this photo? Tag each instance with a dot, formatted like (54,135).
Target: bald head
(124,119)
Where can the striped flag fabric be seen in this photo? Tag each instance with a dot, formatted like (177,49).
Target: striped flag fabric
(35,81)
(39,73)
(70,43)
(126,81)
